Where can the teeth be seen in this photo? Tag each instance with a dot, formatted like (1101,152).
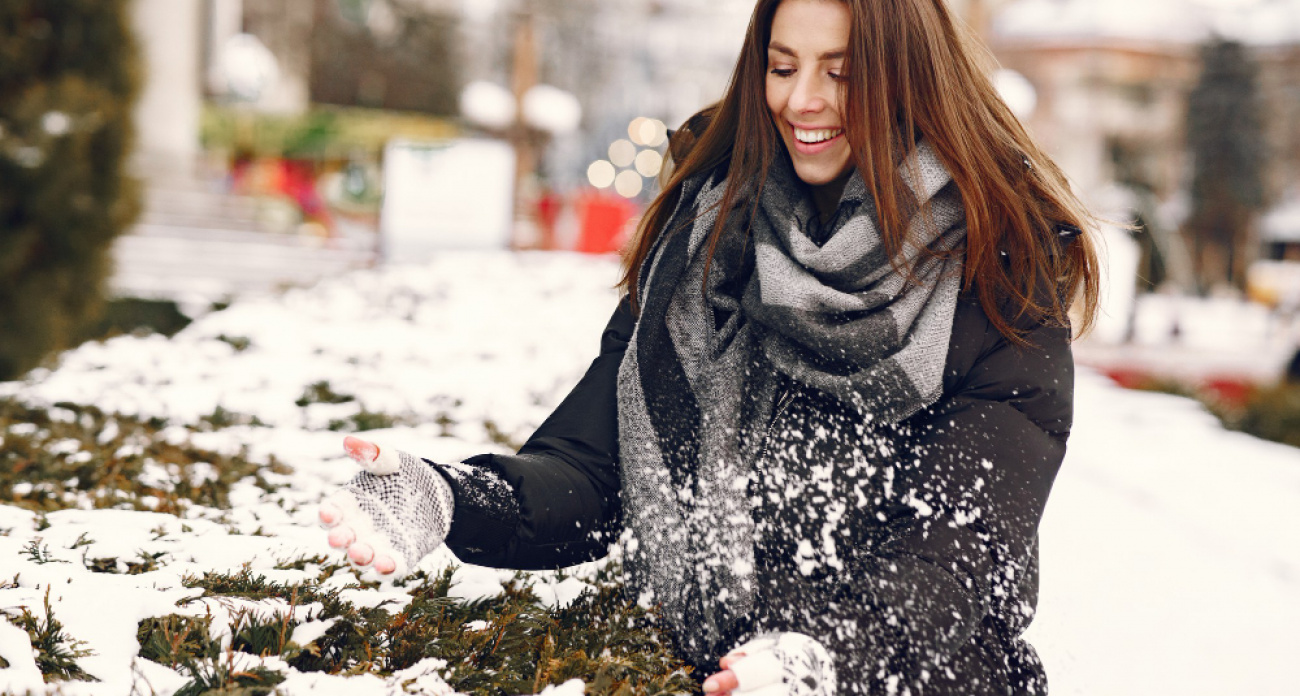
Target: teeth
(816,136)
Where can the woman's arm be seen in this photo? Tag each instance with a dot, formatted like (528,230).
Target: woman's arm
(560,503)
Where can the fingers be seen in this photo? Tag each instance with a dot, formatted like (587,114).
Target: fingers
(342,536)
(349,530)
(363,452)
(363,555)
(360,553)
(385,564)
(372,458)
(724,681)
(730,659)
(329,515)
(757,671)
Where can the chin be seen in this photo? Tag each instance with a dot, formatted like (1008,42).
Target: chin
(818,176)
(821,173)
(820,169)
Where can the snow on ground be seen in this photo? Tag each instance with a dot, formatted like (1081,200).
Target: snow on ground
(1170,554)
(1171,548)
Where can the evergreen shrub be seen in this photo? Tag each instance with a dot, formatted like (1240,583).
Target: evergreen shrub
(68,79)
(110,466)
(497,646)
(1271,413)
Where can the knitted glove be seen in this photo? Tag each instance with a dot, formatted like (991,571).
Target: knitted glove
(390,515)
(783,664)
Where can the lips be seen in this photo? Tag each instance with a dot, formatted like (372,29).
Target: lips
(812,141)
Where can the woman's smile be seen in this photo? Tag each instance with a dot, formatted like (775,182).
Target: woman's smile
(814,141)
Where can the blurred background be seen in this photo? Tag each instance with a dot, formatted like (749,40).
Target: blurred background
(177,154)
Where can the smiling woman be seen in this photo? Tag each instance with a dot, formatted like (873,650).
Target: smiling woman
(826,418)
(805,71)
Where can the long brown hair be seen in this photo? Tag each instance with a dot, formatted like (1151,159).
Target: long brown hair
(913,72)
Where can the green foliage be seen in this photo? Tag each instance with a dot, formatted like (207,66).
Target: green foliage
(302,562)
(183,644)
(176,640)
(56,652)
(107,470)
(322,393)
(239,343)
(255,635)
(147,563)
(39,553)
(508,644)
(1272,413)
(247,585)
(221,418)
(68,80)
(134,315)
(364,420)
(219,677)
(498,436)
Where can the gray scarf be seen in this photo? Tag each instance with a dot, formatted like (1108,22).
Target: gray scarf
(821,306)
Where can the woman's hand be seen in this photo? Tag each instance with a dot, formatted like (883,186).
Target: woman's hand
(775,664)
(342,535)
(390,515)
(724,682)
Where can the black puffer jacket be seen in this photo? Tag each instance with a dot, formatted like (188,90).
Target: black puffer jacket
(934,575)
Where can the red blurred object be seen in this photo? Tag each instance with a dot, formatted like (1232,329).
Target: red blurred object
(549,205)
(1226,389)
(294,180)
(604,219)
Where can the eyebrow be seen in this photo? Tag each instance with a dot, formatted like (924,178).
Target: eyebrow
(781,48)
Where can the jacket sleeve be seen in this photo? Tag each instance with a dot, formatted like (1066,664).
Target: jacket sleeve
(560,503)
(957,563)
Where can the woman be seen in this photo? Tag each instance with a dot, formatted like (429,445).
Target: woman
(830,409)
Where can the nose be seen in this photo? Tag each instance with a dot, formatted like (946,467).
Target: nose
(811,94)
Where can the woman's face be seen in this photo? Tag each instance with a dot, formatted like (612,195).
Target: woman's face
(805,63)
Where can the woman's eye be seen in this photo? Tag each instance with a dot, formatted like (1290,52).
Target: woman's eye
(838,77)
(783,72)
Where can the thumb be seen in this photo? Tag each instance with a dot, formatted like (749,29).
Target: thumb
(371,457)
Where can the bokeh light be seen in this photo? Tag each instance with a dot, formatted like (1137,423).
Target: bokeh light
(652,133)
(601,174)
(629,184)
(649,162)
(634,129)
(622,153)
